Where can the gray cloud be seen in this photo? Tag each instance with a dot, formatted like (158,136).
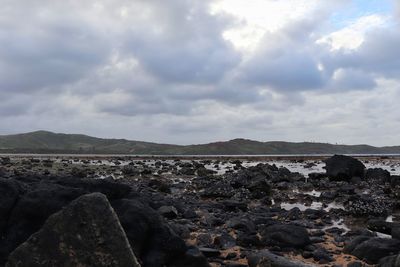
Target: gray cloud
(351,79)
(162,71)
(377,54)
(42,51)
(187,44)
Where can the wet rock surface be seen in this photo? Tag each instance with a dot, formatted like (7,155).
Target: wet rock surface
(218,212)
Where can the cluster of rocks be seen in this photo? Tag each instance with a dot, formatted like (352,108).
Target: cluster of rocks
(181,213)
(66,221)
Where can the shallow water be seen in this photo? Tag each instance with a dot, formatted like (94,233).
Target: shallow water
(305,168)
(316,205)
(338,224)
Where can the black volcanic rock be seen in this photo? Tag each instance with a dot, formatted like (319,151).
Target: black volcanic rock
(78,236)
(31,211)
(152,240)
(266,258)
(377,174)
(341,167)
(372,249)
(390,261)
(382,226)
(30,200)
(367,205)
(9,192)
(285,235)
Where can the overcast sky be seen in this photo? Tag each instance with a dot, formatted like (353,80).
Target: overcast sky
(194,71)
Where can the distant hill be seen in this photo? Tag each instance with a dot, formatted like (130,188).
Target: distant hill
(48,142)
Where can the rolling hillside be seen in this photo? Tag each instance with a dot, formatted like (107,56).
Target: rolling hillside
(48,142)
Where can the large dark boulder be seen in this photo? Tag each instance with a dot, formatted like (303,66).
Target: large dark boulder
(85,233)
(285,235)
(372,249)
(31,211)
(30,200)
(378,174)
(341,167)
(152,240)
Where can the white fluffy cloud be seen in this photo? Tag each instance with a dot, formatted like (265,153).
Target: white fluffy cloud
(196,71)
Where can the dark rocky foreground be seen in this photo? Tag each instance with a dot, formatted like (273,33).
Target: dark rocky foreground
(58,212)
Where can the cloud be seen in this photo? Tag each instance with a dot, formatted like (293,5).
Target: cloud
(46,51)
(180,41)
(351,79)
(197,71)
(352,36)
(377,54)
(286,60)
(397,9)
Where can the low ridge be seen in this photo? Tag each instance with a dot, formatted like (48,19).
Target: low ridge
(49,142)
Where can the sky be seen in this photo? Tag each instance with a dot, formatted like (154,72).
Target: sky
(196,71)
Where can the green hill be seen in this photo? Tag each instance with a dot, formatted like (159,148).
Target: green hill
(48,142)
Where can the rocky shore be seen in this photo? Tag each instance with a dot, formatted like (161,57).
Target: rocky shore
(69,211)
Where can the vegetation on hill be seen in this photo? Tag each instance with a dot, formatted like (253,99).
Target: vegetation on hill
(48,142)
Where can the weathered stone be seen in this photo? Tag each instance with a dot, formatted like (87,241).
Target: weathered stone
(373,249)
(85,233)
(285,235)
(341,167)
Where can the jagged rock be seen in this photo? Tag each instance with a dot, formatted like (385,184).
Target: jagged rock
(85,233)
(39,197)
(31,211)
